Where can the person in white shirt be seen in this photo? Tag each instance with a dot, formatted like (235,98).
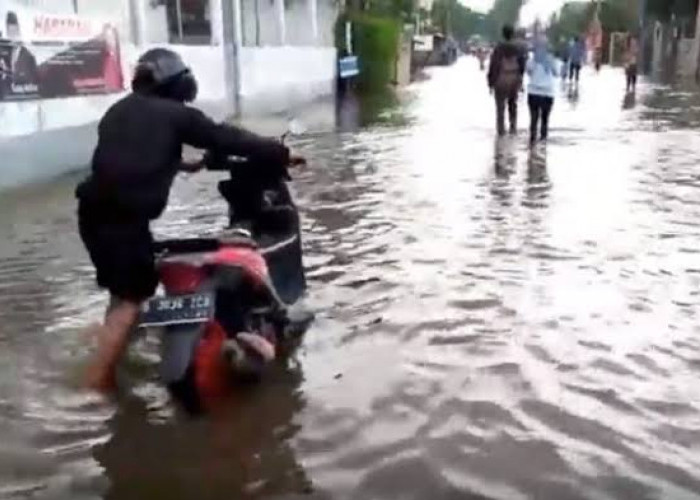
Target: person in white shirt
(542,72)
(631,59)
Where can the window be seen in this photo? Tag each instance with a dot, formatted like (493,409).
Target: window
(261,23)
(189,21)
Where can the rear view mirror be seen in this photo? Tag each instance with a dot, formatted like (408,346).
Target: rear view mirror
(296,127)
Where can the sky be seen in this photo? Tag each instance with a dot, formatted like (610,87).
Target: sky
(532,9)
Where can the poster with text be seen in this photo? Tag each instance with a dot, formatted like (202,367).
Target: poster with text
(46,55)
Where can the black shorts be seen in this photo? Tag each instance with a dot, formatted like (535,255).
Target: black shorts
(122,253)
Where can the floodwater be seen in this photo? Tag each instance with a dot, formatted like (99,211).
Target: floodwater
(491,323)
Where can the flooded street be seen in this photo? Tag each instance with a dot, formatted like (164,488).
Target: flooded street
(492,324)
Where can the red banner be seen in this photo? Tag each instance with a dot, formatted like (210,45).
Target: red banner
(49,56)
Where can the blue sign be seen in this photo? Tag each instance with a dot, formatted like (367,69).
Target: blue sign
(348,67)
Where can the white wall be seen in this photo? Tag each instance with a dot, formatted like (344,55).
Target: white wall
(273,78)
(299,28)
(266,31)
(327,13)
(116,11)
(52,6)
(154,25)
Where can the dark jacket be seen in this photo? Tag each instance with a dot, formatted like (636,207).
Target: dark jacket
(503,50)
(139,152)
(23,66)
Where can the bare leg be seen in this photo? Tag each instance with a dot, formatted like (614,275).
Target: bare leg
(112,339)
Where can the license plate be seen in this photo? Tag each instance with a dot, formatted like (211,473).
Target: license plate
(178,309)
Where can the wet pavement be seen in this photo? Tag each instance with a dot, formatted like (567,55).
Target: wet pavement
(491,323)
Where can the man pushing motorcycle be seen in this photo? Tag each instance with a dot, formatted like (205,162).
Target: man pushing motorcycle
(138,155)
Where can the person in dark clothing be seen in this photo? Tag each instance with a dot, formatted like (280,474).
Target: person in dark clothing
(20,70)
(138,155)
(578,55)
(505,79)
(631,61)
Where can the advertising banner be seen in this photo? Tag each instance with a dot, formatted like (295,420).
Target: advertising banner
(45,55)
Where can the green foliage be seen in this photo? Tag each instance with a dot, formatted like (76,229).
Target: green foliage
(664,9)
(572,20)
(615,15)
(619,15)
(450,16)
(375,42)
(403,10)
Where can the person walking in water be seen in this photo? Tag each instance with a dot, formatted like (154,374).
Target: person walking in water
(542,74)
(505,79)
(578,54)
(631,62)
(565,53)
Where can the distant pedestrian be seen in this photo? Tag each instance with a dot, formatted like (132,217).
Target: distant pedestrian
(505,79)
(542,74)
(564,53)
(598,59)
(631,63)
(481,54)
(577,57)
(569,50)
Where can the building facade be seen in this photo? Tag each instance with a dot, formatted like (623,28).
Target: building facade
(64,62)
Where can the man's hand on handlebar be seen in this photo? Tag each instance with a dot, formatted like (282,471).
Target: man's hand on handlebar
(192,167)
(296,160)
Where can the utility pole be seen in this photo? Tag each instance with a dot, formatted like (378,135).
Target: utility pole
(448,21)
(642,34)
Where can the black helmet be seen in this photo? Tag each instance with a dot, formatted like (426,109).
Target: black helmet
(162,72)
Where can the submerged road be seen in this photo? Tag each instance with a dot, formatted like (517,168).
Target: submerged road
(491,323)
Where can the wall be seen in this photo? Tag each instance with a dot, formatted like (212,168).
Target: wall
(299,28)
(52,6)
(327,13)
(687,57)
(154,28)
(115,10)
(259,21)
(274,78)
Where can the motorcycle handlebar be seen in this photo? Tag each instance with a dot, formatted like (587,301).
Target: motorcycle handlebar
(239,166)
(219,163)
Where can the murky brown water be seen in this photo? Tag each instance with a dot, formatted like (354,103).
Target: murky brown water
(491,324)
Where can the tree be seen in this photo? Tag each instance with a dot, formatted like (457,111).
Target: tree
(503,12)
(451,17)
(663,10)
(403,10)
(619,15)
(615,15)
(572,20)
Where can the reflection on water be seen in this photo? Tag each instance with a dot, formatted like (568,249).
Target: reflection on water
(493,321)
(244,447)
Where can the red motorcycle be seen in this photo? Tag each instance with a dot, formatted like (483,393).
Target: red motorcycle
(227,311)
